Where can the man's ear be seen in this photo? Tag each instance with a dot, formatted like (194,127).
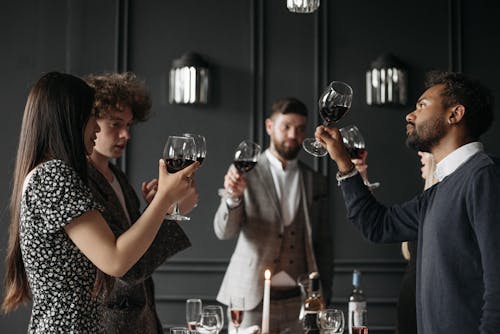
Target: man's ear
(269,126)
(457,114)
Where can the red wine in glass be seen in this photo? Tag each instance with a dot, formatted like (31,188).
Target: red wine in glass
(200,159)
(359,330)
(236,317)
(331,114)
(192,325)
(244,166)
(355,153)
(175,165)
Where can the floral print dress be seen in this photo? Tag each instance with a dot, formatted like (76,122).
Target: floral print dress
(60,277)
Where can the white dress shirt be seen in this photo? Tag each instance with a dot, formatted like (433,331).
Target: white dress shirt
(456,158)
(287,185)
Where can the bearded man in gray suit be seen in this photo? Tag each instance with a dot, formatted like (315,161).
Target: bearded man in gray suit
(278,211)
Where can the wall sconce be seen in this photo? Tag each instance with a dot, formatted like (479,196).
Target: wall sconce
(302,6)
(386,82)
(189,78)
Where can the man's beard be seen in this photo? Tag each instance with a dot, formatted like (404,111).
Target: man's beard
(428,135)
(286,152)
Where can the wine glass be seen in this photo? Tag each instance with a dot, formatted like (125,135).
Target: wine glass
(201,146)
(207,323)
(217,310)
(179,330)
(359,322)
(179,152)
(333,104)
(236,307)
(331,321)
(355,144)
(193,311)
(245,159)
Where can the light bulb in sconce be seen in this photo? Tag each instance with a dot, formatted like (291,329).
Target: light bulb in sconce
(189,80)
(386,82)
(302,6)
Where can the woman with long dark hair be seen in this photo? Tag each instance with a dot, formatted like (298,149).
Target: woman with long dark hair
(58,238)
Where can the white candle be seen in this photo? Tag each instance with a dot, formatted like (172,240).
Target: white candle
(267,298)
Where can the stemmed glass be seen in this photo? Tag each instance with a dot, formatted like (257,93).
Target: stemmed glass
(217,310)
(208,323)
(179,153)
(355,144)
(193,311)
(245,159)
(236,307)
(201,146)
(331,321)
(333,103)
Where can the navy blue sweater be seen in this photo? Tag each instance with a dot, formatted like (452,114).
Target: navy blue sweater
(457,224)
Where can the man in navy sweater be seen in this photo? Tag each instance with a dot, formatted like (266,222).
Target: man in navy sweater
(456,222)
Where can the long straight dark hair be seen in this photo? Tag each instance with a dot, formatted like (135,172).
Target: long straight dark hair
(57,111)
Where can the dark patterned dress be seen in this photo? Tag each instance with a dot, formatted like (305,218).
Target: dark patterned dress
(61,278)
(129,308)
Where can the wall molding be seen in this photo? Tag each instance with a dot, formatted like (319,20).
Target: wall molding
(455,28)
(257,108)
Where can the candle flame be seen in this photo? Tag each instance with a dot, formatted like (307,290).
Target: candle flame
(267,274)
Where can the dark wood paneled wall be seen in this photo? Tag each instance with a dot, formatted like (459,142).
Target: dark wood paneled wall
(259,52)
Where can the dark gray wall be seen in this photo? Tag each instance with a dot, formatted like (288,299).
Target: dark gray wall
(259,52)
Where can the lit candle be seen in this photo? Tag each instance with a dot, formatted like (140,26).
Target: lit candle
(267,298)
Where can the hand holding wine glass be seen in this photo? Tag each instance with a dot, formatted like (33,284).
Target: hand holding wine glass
(245,159)
(179,153)
(333,104)
(355,144)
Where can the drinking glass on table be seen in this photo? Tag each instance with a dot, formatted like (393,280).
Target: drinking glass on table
(193,312)
(331,321)
(217,310)
(355,144)
(236,307)
(179,330)
(179,152)
(245,159)
(359,322)
(207,323)
(334,103)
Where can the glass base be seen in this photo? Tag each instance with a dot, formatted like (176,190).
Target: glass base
(314,147)
(177,217)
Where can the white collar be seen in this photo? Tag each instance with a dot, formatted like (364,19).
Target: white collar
(276,163)
(456,158)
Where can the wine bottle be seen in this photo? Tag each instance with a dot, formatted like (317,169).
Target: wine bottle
(357,300)
(312,305)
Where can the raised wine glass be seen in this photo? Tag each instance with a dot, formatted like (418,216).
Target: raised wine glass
(201,146)
(245,159)
(333,104)
(219,312)
(331,321)
(355,144)
(193,311)
(236,307)
(179,153)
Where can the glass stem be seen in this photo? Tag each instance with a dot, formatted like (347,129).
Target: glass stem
(176,209)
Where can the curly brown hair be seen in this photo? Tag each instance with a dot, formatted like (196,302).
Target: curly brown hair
(114,91)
